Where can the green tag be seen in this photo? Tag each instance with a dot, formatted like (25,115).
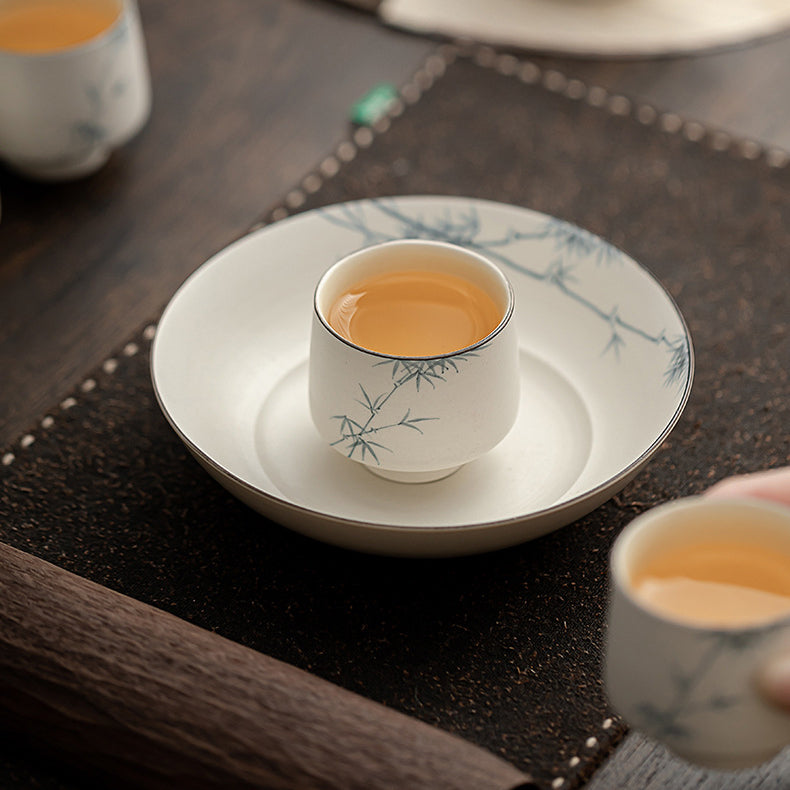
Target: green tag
(374,104)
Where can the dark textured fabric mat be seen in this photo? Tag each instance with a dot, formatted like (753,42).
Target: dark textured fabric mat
(502,649)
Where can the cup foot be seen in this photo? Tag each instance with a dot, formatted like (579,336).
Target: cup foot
(66,169)
(413,477)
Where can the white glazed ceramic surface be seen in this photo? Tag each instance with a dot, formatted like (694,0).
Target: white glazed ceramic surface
(694,688)
(413,419)
(64,112)
(606,370)
(594,28)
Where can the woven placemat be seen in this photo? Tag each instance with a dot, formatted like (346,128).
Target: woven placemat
(503,649)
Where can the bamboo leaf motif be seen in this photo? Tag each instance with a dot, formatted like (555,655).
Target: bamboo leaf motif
(93,94)
(682,682)
(407,422)
(614,344)
(572,245)
(355,434)
(679,361)
(90,132)
(723,702)
(660,722)
(101,95)
(675,718)
(367,403)
(740,640)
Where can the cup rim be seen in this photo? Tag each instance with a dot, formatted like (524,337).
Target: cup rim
(618,569)
(99,40)
(504,321)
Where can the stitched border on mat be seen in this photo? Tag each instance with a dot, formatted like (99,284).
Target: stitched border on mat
(587,750)
(530,73)
(568,773)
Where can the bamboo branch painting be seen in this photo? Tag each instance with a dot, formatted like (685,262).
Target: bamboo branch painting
(362,434)
(383,219)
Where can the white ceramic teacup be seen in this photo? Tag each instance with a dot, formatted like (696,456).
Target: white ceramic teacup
(413,419)
(63,111)
(695,687)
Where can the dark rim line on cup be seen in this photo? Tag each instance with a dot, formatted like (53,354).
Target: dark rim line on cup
(511,304)
(617,563)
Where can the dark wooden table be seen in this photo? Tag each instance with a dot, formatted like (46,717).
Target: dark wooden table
(249,96)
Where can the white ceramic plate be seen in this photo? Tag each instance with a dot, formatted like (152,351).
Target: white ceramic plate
(607,366)
(594,28)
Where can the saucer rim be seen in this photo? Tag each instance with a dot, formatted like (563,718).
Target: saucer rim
(608,487)
(549,516)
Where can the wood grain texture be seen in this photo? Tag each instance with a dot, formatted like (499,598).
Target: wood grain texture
(248,97)
(152,701)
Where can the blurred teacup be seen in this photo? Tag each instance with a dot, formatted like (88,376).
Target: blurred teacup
(700,605)
(74,84)
(414,365)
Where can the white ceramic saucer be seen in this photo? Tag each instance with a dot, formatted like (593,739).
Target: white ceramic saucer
(606,360)
(595,28)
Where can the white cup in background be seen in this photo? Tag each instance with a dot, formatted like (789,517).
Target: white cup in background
(65,107)
(689,677)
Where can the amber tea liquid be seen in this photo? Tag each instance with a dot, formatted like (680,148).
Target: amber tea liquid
(414,313)
(41,26)
(716,583)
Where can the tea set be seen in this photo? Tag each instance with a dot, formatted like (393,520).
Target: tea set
(437,377)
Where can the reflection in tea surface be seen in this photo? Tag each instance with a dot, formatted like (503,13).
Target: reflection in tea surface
(414,313)
(717,583)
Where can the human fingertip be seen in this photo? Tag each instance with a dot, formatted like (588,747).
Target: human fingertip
(774,682)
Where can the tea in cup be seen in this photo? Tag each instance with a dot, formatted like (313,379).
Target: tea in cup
(414,365)
(700,604)
(74,84)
